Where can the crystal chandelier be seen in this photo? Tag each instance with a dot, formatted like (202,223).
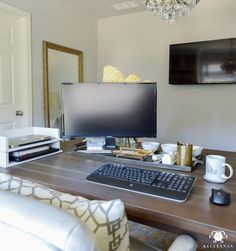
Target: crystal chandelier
(169,10)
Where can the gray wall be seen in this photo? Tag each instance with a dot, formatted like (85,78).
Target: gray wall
(139,43)
(56,22)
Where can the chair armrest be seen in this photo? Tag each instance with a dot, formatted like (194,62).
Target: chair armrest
(42,224)
(183,243)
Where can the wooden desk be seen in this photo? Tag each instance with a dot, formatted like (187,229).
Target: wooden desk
(196,216)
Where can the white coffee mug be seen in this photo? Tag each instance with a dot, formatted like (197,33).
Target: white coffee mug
(215,169)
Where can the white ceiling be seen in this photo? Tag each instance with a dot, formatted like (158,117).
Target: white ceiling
(101,8)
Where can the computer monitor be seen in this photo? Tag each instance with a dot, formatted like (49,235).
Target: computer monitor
(109,109)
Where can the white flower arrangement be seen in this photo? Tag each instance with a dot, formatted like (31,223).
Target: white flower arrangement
(132,78)
(113,74)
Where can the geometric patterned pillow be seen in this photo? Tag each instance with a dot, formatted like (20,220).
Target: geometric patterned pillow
(106,219)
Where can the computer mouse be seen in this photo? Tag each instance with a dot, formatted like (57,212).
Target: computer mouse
(220,197)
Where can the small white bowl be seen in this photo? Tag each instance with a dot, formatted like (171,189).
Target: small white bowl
(153,146)
(197,150)
(169,148)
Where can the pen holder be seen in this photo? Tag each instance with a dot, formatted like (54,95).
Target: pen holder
(184,154)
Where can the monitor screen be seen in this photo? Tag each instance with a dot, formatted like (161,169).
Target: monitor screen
(109,109)
(207,62)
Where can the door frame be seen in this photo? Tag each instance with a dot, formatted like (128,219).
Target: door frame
(26,62)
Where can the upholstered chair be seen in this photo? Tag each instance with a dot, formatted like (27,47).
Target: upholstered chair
(27,224)
(35,217)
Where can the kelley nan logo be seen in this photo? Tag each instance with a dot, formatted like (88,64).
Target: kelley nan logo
(218,236)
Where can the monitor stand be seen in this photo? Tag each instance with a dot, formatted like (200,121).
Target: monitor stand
(97,145)
(110,143)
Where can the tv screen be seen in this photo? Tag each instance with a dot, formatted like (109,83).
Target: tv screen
(208,62)
(109,109)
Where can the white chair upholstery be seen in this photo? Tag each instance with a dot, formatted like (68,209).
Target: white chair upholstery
(181,243)
(27,224)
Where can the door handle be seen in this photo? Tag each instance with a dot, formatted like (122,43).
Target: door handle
(19,113)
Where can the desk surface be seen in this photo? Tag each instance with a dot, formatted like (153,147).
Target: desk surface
(196,216)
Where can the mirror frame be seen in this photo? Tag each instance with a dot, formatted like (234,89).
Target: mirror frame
(46,46)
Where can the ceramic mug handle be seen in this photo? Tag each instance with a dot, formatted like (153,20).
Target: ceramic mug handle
(231,172)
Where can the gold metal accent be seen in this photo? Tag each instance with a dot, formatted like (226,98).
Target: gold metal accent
(184,154)
(46,46)
(132,153)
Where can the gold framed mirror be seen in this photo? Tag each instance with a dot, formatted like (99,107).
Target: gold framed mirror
(60,65)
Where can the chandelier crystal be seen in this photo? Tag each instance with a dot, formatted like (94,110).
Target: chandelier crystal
(169,10)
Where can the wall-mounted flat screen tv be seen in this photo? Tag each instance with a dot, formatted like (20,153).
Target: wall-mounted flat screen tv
(207,62)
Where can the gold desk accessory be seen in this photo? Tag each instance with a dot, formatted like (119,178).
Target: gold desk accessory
(133,153)
(184,154)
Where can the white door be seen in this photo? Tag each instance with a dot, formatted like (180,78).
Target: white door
(15,92)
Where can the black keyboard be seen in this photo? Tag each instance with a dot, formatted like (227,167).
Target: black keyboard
(157,183)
